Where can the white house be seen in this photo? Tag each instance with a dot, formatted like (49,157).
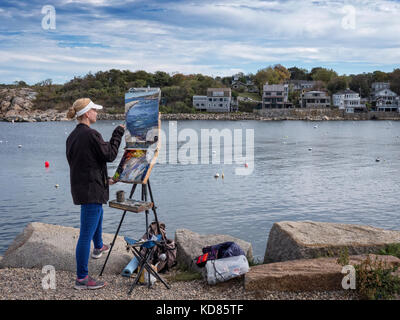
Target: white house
(348,100)
(386,100)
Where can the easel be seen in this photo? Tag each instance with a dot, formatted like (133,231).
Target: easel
(136,206)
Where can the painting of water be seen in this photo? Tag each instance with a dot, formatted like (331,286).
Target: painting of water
(143,128)
(142,117)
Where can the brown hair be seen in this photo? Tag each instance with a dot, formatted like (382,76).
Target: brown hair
(77,106)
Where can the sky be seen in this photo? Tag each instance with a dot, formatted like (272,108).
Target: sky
(216,38)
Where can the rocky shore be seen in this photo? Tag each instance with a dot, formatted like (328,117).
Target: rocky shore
(17,105)
(26,284)
(306,270)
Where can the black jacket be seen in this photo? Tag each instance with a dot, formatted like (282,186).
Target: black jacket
(87,155)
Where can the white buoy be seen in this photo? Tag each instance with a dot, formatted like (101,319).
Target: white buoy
(57,185)
(309,149)
(315,127)
(216,175)
(377,159)
(20,146)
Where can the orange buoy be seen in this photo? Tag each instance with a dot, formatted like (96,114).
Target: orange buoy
(246,165)
(46,164)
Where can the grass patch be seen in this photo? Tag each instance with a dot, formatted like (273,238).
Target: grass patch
(183,273)
(391,250)
(187,276)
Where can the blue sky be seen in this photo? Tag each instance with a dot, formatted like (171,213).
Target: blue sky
(217,38)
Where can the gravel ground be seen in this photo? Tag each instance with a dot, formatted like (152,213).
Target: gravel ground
(26,284)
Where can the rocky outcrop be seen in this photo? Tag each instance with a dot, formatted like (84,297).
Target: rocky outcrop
(307,239)
(190,244)
(323,274)
(17,104)
(43,244)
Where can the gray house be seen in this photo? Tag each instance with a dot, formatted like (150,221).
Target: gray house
(275,96)
(315,99)
(216,100)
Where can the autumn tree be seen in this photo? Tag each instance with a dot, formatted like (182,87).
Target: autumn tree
(271,75)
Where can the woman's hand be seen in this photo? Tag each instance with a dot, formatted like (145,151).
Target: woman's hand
(123,126)
(111,181)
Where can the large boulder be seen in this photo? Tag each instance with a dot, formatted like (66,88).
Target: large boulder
(43,244)
(190,244)
(323,274)
(307,239)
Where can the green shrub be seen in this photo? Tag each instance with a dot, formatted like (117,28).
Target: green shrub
(375,279)
(343,258)
(391,250)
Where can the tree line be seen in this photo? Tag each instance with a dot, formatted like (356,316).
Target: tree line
(108,87)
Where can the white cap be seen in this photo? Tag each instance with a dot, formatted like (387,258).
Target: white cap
(90,105)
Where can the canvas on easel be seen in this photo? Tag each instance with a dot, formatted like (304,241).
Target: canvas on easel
(142,135)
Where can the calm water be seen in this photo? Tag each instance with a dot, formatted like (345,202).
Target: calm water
(338,181)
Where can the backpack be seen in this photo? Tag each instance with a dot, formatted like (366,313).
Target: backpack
(164,257)
(219,251)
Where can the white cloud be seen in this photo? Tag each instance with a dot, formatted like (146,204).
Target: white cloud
(207,37)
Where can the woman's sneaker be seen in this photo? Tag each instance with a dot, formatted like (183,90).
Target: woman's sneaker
(88,283)
(97,253)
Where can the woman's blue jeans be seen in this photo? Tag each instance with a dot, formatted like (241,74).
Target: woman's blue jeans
(91,229)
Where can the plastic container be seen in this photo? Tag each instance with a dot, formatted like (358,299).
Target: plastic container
(221,270)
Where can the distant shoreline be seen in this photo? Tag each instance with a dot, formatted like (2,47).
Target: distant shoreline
(269,115)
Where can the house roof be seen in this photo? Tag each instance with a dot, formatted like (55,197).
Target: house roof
(347,91)
(274,87)
(389,92)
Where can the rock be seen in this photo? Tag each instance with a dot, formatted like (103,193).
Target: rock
(16,108)
(18,101)
(4,105)
(190,244)
(307,239)
(43,244)
(323,274)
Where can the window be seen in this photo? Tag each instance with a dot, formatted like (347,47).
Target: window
(279,93)
(267,93)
